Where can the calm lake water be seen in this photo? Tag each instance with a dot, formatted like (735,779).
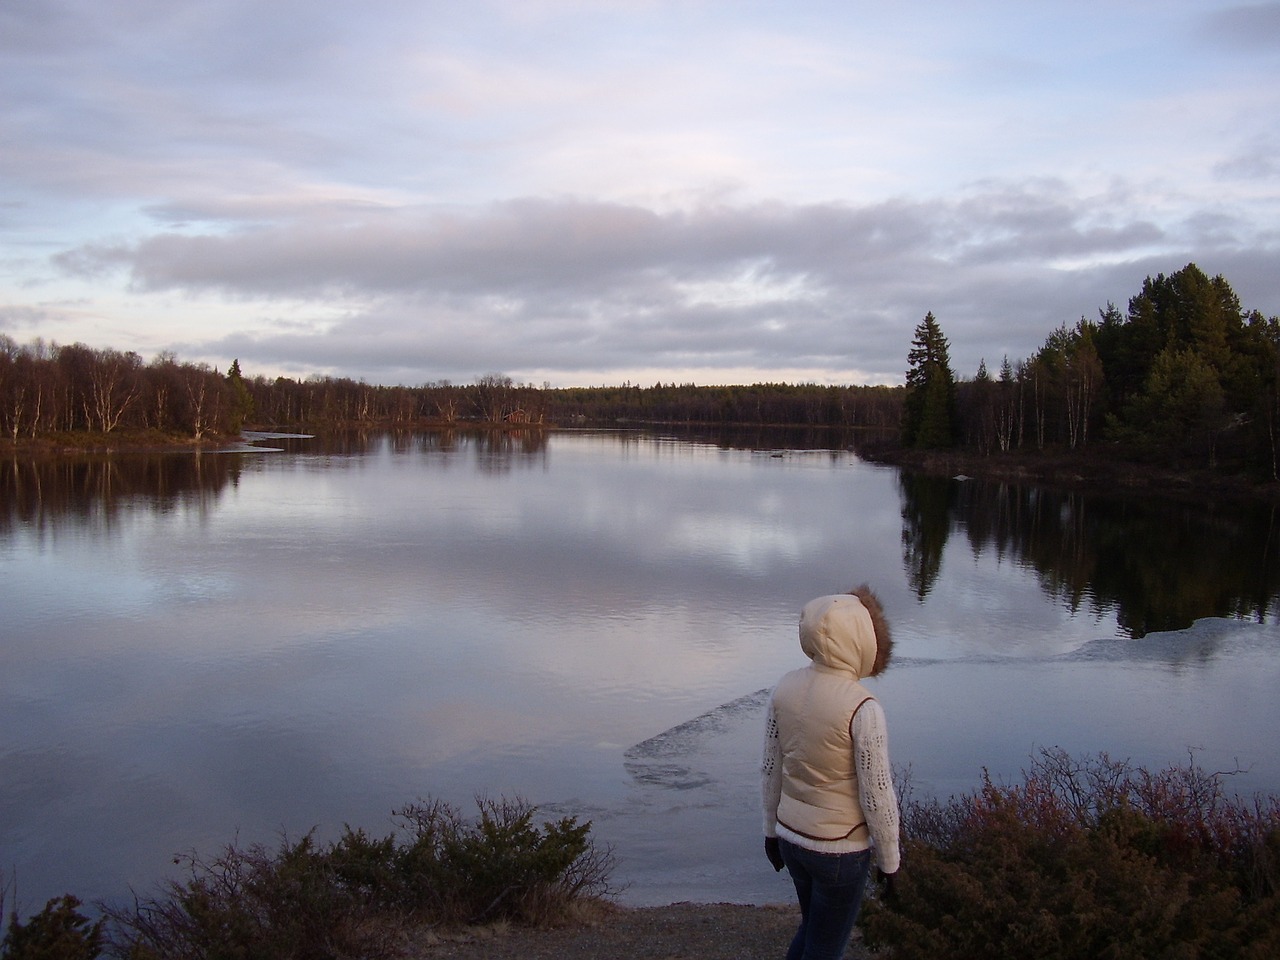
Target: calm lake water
(195,649)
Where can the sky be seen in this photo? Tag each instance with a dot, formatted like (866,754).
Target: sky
(579,193)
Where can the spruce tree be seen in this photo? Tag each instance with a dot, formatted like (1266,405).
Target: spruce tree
(929,411)
(241,399)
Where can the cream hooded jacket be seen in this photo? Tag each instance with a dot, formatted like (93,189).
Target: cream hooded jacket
(826,780)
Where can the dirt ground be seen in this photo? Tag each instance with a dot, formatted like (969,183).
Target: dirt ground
(684,930)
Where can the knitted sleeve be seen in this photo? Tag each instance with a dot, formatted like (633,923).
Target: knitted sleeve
(875,782)
(771,773)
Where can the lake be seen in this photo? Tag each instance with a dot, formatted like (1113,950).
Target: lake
(204,648)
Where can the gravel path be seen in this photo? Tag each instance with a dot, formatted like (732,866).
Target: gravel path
(684,930)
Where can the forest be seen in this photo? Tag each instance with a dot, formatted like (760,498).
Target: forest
(47,389)
(1184,377)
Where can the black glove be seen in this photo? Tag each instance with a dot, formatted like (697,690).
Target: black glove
(773,852)
(888,884)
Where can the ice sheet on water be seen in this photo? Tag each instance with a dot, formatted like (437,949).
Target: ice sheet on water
(673,758)
(251,442)
(688,827)
(240,447)
(1203,640)
(696,755)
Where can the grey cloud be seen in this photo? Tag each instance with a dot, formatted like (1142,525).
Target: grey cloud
(150,39)
(14,316)
(1250,26)
(1255,161)
(1041,221)
(568,247)
(592,288)
(148,98)
(411,342)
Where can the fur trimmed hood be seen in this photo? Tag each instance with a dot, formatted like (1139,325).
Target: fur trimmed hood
(847,631)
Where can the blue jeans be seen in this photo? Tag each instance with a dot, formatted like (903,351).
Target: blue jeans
(830,888)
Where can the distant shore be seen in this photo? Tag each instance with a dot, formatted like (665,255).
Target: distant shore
(1093,472)
(76,443)
(1095,469)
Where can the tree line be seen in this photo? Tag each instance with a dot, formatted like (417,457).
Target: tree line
(1185,377)
(47,389)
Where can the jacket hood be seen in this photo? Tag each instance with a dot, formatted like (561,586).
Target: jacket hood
(846,631)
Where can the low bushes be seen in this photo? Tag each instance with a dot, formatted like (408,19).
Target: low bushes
(1086,859)
(356,897)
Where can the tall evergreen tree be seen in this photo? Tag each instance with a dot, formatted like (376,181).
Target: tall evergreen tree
(929,410)
(241,399)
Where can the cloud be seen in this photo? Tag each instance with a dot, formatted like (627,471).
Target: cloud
(1246,27)
(576,190)
(23,316)
(1256,160)
(568,287)
(573,248)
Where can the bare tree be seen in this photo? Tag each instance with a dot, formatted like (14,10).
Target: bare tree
(204,392)
(493,393)
(113,386)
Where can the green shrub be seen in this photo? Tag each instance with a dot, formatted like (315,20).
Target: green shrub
(1086,859)
(502,866)
(355,896)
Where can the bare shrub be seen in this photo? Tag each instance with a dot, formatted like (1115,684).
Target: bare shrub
(1086,857)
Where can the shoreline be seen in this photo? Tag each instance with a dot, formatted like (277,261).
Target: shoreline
(73,444)
(1089,473)
(1097,470)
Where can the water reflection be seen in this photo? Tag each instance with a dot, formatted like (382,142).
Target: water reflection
(926,524)
(90,493)
(500,448)
(1158,565)
(194,648)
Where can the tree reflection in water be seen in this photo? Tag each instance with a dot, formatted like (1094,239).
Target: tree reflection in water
(1159,564)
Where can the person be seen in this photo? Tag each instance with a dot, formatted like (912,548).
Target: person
(826,783)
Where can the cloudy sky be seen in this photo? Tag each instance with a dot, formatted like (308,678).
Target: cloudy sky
(585,192)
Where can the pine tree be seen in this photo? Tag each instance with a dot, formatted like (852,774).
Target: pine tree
(241,399)
(929,411)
